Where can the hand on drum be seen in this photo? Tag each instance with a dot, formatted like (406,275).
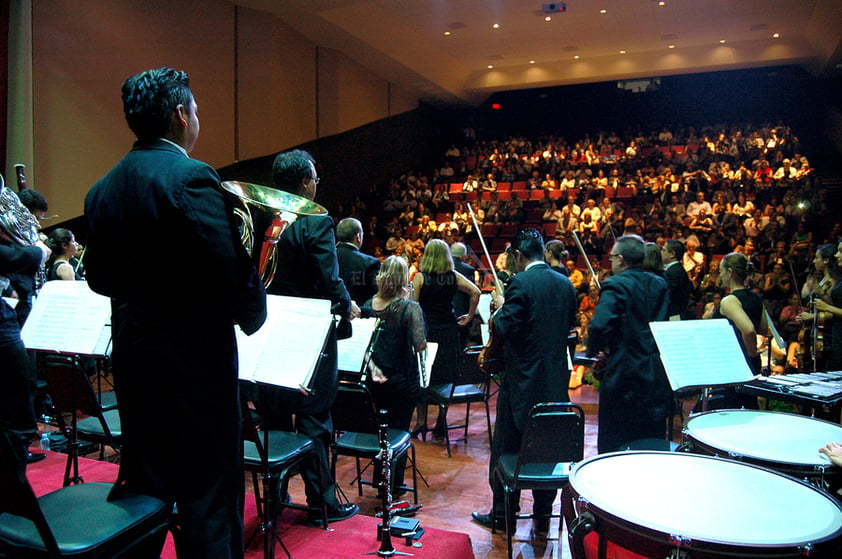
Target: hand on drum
(834,452)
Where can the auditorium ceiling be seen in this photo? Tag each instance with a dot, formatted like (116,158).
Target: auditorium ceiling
(450,52)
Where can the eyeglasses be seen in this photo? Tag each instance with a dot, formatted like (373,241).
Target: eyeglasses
(613,256)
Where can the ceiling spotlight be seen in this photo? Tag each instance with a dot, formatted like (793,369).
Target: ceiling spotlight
(662,3)
(532,62)
(622,52)
(671,46)
(776,35)
(491,66)
(447,33)
(603,11)
(496,26)
(548,18)
(576,57)
(721,41)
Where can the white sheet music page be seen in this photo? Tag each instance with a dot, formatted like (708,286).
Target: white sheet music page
(67,317)
(286,349)
(352,350)
(700,353)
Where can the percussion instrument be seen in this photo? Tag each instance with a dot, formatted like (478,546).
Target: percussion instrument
(672,504)
(784,442)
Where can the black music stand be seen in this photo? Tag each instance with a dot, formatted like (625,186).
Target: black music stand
(70,320)
(285,352)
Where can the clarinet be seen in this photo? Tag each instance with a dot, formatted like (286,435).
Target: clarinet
(385,458)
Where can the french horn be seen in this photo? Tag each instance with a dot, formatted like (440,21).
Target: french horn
(263,214)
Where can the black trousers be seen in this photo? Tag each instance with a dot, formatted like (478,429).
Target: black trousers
(507,440)
(17,391)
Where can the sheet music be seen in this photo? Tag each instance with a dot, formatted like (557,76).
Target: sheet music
(432,350)
(352,350)
(67,317)
(287,348)
(484,307)
(700,353)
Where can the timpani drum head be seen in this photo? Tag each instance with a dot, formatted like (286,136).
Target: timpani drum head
(703,499)
(775,437)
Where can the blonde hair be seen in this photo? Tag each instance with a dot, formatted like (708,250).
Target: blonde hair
(393,278)
(437,258)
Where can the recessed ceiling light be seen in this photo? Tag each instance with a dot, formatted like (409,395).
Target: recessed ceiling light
(548,18)
(496,26)
(622,52)
(447,33)
(662,3)
(721,41)
(603,11)
(491,66)
(671,46)
(532,62)
(576,57)
(776,35)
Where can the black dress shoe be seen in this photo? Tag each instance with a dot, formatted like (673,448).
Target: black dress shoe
(342,512)
(488,521)
(32,457)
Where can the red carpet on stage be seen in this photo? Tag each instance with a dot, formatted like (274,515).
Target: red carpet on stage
(349,538)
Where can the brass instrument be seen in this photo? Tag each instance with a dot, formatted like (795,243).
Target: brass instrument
(17,224)
(266,211)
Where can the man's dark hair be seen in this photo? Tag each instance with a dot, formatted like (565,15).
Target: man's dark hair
(632,248)
(347,229)
(676,247)
(33,200)
(151,97)
(530,243)
(289,168)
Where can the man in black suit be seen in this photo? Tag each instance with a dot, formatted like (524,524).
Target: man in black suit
(357,269)
(677,279)
(174,350)
(634,394)
(307,267)
(536,314)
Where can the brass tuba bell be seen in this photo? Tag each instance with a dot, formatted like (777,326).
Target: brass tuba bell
(267,212)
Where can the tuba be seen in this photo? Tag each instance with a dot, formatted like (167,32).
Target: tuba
(263,214)
(17,224)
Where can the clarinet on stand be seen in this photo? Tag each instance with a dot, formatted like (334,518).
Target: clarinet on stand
(384,529)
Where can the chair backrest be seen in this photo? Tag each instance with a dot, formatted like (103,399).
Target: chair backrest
(554,434)
(18,498)
(70,389)
(353,409)
(468,371)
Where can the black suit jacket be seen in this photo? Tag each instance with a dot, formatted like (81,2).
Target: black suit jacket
(162,244)
(308,267)
(538,313)
(358,271)
(461,300)
(680,289)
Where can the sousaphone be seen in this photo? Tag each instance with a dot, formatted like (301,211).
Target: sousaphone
(264,213)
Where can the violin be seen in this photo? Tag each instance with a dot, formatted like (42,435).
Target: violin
(490,358)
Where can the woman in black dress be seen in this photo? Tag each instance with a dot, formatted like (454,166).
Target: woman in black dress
(434,287)
(393,368)
(834,308)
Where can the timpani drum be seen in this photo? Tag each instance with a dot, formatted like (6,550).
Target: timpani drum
(671,504)
(784,442)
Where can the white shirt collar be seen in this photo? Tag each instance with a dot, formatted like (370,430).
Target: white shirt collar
(181,149)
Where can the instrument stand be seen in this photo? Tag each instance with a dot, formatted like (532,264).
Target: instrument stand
(384,529)
(73,443)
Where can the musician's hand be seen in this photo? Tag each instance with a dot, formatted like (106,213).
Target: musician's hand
(821,305)
(497,301)
(805,317)
(464,320)
(376,373)
(834,452)
(355,311)
(45,250)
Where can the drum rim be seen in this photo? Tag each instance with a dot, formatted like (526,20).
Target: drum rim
(700,542)
(800,467)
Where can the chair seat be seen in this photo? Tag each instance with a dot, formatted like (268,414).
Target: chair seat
(283,448)
(91,426)
(116,524)
(532,475)
(108,400)
(461,393)
(366,444)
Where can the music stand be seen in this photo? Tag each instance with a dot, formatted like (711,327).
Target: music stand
(69,319)
(686,351)
(296,329)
